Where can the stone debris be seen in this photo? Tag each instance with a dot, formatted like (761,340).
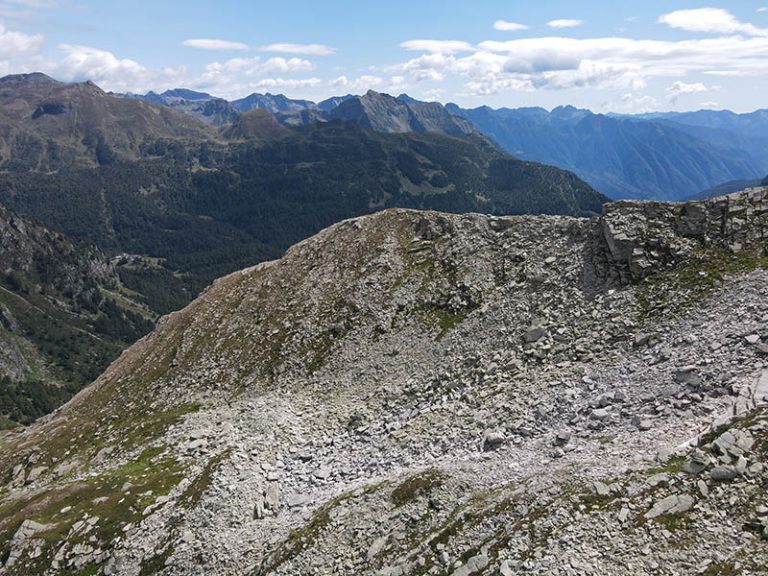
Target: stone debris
(424,393)
(673,504)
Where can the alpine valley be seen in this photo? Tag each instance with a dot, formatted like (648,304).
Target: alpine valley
(360,337)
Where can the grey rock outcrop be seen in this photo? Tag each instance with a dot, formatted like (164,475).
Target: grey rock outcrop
(370,404)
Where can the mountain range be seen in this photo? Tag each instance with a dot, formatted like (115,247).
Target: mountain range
(273,337)
(175,202)
(628,157)
(668,156)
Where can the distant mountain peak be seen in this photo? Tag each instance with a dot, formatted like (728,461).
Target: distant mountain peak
(30,78)
(186,94)
(272,103)
(409,100)
(385,113)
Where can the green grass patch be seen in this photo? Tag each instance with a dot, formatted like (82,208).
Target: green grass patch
(693,280)
(200,484)
(672,466)
(726,568)
(417,486)
(101,496)
(155,564)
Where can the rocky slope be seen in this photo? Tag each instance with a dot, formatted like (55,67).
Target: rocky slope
(385,113)
(47,125)
(425,393)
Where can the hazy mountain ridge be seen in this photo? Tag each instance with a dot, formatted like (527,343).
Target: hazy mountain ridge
(622,157)
(753,124)
(653,156)
(499,386)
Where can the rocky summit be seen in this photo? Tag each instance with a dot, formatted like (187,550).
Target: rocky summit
(413,393)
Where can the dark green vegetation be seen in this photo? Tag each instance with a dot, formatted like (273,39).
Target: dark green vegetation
(206,209)
(63,317)
(417,486)
(200,484)
(22,402)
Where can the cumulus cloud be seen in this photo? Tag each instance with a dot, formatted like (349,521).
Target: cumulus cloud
(392,85)
(437,46)
(710,20)
(238,76)
(360,84)
(231,78)
(565,23)
(506,26)
(305,49)
(285,83)
(763,9)
(634,102)
(213,44)
(679,88)
(255,66)
(101,66)
(14,44)
(613,62)
(685,88)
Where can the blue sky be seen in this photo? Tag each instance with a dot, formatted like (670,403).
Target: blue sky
(606,56)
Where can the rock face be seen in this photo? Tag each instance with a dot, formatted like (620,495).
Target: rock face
(426,393)
(643,238)
(49,125)
(385,113)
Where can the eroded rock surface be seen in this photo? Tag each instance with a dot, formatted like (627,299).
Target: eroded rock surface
(424,393)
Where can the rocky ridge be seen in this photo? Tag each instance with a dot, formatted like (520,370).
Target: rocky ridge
(425,393)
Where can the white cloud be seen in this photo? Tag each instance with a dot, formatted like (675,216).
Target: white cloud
(635,103)
(612,62)
(14,44)
(437,46)
(238,76)
(361,84)
(213,44)
(763,9)
(679,88)
(286,83)
(254,67)
(710,20)
(306,49)
(565,23)
(290,65)
(711,105)
(84,62)
(506,26)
